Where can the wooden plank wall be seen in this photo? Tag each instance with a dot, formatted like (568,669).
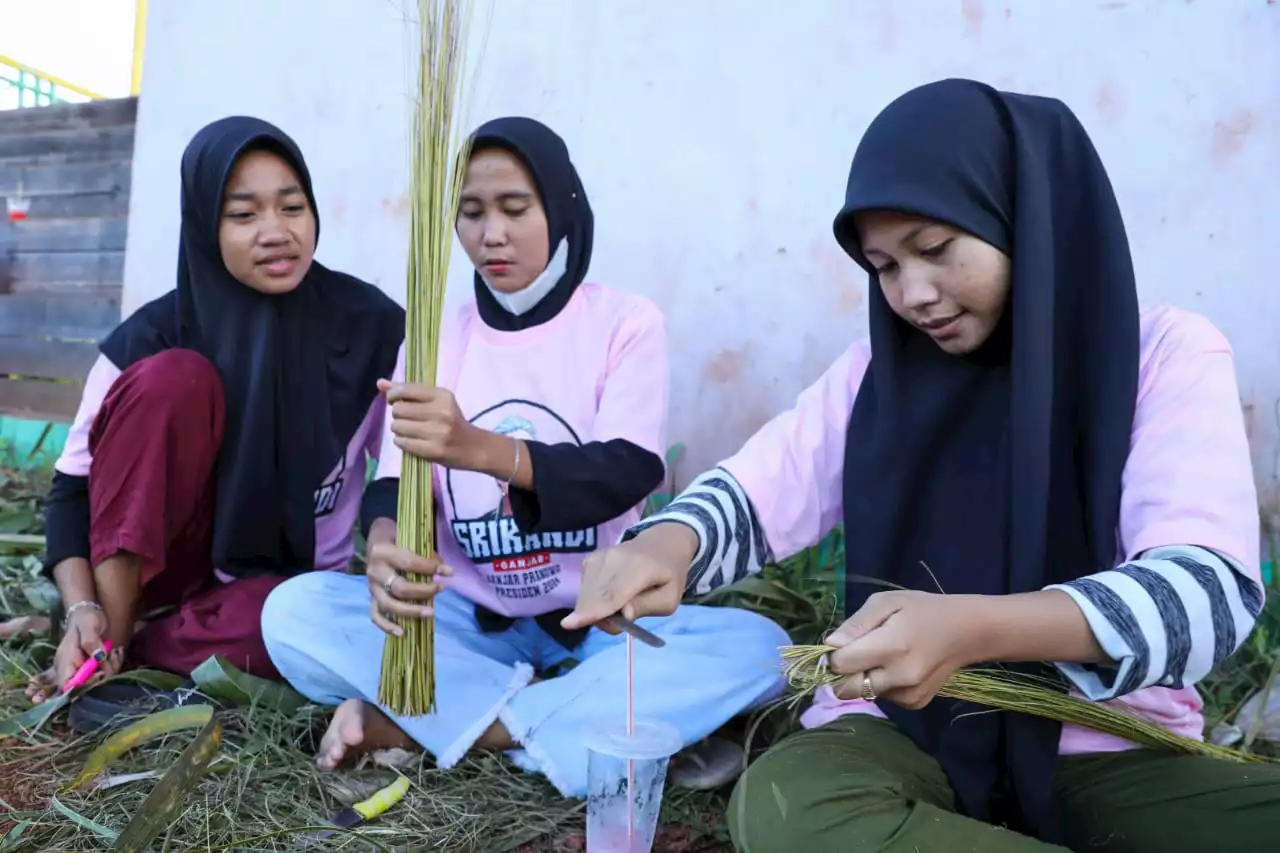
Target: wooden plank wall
(61,269)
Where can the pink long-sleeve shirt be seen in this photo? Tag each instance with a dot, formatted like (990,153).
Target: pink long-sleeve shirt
(596,372)
(1189,517)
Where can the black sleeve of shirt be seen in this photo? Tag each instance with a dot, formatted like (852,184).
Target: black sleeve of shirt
(66,520)
(381,499)
(577,486)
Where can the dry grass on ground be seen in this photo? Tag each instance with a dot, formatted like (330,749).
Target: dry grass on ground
(262,788)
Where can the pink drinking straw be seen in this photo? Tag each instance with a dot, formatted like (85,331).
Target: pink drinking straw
(87,669)
(631,730)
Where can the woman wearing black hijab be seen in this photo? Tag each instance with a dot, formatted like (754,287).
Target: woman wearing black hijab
(1071,471)
(547,428)
(222,436)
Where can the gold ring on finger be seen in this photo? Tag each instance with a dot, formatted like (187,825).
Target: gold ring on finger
(868,691)
(388,583)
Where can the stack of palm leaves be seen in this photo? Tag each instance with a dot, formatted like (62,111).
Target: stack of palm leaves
(438,162)
(806,669)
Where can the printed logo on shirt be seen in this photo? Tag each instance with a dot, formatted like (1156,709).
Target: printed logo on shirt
(525,577)
(498,540)
(517,565)
(326,497)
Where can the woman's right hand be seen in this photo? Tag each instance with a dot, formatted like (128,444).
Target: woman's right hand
(394,594)
(83,638)
(644,576)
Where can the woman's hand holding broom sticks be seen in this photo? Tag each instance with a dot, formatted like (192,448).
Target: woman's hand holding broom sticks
(903,645)
(429,424)
(394,594)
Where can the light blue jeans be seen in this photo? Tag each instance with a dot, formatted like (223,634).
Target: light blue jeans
(718,663)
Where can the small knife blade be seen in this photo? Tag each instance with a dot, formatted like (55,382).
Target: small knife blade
(622,623)
(357,814)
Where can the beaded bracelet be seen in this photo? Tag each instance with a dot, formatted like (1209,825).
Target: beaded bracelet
(79,605)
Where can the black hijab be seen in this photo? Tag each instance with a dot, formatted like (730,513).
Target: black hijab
(299,370)
(1000,471)
(564,199)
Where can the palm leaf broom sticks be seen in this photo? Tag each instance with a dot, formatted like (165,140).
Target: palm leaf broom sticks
(438,159)
(806,670)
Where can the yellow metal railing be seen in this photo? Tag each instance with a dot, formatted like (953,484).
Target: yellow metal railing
(41,86)
(139,42)
(32,87)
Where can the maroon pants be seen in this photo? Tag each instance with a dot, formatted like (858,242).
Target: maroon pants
(151,494)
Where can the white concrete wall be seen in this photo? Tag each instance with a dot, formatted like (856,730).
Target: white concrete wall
(714,139)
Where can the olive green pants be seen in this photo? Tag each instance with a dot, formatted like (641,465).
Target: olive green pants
(859,785)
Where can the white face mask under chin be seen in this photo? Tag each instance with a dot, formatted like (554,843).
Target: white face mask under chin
(527,298)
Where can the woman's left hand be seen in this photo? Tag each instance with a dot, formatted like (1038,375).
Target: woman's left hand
(428,423)
(904,644)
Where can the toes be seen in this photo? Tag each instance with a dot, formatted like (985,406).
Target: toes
(40,688)
(330,755)
(345,735)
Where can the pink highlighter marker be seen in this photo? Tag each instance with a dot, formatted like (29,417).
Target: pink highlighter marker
(87,668)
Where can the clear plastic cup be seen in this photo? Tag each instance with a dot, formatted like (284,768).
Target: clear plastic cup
(625,778)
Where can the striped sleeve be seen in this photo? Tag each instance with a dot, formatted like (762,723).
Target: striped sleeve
(1166,619)
(731,543)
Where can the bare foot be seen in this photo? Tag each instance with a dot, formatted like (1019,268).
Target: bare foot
(41,687)
(20,625)
(358,727)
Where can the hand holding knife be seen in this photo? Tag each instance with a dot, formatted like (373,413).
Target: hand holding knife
(621,623)
(639,577)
